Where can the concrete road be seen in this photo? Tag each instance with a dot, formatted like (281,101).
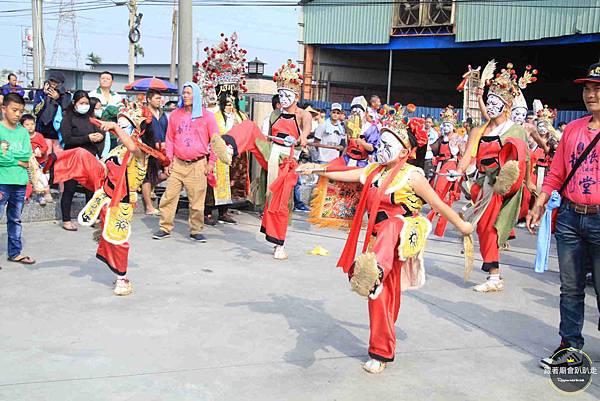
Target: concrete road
(225,321)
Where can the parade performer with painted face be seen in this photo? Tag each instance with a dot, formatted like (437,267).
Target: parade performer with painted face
(446,150)
(499,149)
(224,73)
(391,259)
(363,137)
(115,182)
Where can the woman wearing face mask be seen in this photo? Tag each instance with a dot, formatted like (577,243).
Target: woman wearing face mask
(78,132)
(393,194)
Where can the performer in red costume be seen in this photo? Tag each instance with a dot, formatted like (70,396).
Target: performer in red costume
(391,260)
(499,148)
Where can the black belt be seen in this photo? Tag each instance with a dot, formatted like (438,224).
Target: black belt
(193,160)
(583,209)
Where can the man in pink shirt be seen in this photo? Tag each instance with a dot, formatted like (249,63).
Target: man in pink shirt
(578,220)
(190,130)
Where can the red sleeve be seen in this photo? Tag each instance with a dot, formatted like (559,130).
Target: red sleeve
(558,170)
(42,144)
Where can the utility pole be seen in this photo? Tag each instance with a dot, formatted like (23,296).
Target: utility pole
(38,43)
(132,14)
(198,42)
(185,42)
(172,71)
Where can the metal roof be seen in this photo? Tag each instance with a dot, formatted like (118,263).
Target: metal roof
(520,20)
(345,21)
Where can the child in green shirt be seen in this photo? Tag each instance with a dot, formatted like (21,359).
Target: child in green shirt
(15,152)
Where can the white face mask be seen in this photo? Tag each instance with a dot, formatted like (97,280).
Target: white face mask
(389,148)
(286,97)
(82,108)
(494,106)
(542,128)
(98,113)
(518,115)
(446,128)
(125,125)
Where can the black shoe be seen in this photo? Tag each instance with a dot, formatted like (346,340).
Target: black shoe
(558,357)
(227,219)
(209,222)
(197,237)
(160,234)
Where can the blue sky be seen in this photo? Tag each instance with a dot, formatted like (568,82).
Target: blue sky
(269,33)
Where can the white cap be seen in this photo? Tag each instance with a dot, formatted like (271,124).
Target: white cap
(336,106)
(360,102)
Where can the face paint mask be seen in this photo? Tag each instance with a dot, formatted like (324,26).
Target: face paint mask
(542,128)
(98,113)
(125,125)
(446,128)
(518,115)
(389,148)
(286,97)
(494,106)
(82,108)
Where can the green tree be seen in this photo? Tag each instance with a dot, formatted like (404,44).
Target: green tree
(94,59)
(138,51)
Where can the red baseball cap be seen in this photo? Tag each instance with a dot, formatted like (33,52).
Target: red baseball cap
(593,75)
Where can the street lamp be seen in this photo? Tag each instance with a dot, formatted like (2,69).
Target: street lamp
(256,68)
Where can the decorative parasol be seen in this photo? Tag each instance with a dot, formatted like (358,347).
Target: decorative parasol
(151,83)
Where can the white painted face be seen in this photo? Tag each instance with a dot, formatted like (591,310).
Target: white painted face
(542,127)
(389,148)
(518,115)
(125,125)
(494,106)
(286,97)
(446,127)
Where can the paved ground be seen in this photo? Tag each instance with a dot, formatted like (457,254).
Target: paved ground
(224,321)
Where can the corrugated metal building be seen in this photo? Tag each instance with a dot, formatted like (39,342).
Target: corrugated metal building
(417,50)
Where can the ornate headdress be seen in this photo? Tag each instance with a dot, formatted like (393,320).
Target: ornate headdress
(225,66)
(136,113)
(393,120)
(289,77)
(449,115)
(546,114)
(507,85)
(209,92)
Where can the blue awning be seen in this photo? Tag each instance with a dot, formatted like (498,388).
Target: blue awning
(425,42)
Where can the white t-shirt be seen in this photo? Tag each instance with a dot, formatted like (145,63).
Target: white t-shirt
(329,134)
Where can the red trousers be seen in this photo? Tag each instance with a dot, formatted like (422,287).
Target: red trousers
(488,236)
(116,257)
(383,311)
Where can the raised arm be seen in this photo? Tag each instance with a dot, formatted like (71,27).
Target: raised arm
(344,176)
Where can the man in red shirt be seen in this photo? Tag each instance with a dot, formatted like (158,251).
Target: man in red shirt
(189,133)
(578,220)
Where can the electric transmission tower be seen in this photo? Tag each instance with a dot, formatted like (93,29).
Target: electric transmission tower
(66,43)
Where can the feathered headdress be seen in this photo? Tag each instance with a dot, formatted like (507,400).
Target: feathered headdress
(136,113)
(289,77)
(488,73)
(546,114)
(449,115)
(507,85)
(394,121)
(225,64)
(209,93)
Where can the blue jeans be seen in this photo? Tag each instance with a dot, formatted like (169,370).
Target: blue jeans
(578,244)
(12,197)
(297,197)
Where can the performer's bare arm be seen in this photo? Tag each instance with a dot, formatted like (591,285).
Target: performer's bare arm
(344,176)
(305,127)
(123,137)
(482,108)
(532,132)
(467,157)
(422,188)
(368,147)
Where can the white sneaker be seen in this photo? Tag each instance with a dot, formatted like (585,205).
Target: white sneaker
(374,366)
(280,253)
(490,286)
(522,225)
(122,287)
